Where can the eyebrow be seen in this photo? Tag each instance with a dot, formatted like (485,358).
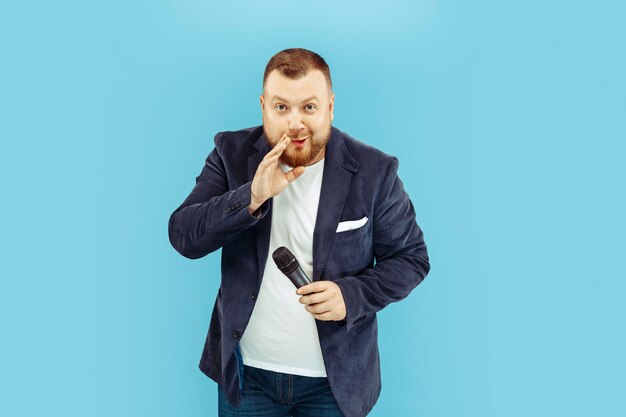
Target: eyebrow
(306,99)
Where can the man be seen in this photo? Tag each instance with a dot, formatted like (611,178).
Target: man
(340,207)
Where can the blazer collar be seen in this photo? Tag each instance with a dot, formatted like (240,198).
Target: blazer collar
(339,167)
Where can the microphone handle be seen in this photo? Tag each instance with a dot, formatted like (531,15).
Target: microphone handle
(298,278)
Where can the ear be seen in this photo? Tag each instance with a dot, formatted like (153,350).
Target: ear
(331,107)
(262,100)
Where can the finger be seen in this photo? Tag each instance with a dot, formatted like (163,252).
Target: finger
(277,151)
(279,147)
(294,173)
(323,316)
(314,298)
(283,140)
(267,167)
(319,308)
(268,161)
(316,286)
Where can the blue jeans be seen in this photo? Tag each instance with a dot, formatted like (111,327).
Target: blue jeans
(274,394)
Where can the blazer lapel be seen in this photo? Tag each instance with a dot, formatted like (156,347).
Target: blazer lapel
(339,166)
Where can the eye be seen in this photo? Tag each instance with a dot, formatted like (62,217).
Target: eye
(280,105)
(310,107)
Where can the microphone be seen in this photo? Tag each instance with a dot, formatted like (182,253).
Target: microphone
(288,265)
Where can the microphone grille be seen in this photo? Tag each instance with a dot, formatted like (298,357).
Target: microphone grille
(285,260)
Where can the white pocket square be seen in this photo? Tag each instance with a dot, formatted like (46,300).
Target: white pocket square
(351,224)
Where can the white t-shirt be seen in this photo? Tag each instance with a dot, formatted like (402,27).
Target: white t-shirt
(281,335)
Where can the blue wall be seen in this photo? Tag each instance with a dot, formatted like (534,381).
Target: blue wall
(508,120)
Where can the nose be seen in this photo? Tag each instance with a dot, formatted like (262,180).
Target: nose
(295,121)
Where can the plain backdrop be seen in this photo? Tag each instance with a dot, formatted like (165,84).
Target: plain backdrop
(508,118)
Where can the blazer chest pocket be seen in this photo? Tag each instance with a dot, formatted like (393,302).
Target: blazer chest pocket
(352,229)
(351,251)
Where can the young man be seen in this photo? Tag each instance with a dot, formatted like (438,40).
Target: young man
(340,208)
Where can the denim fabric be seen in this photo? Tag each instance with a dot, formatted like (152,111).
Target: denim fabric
(275,394)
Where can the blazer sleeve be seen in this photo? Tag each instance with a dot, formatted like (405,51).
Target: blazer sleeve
(212,215)
(400,253)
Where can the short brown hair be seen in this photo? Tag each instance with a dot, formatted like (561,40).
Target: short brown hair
(295,63)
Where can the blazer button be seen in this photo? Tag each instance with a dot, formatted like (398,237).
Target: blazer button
(236,334)
(253,296)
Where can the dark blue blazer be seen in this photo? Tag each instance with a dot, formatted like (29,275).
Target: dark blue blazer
(374,265)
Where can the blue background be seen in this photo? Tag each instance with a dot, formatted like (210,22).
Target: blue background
(508,120)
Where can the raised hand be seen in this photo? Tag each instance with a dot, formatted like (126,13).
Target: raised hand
(269,180)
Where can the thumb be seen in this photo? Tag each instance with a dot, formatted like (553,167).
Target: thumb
(294,173)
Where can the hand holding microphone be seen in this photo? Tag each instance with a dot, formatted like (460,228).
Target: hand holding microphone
(323,299)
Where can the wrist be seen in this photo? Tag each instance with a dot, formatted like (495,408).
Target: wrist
(255,202)
(253,210)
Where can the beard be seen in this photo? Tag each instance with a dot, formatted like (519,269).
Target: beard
(295,157)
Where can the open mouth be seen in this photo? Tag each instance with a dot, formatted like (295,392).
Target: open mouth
(299,141)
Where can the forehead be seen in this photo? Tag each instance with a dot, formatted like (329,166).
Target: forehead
(313,83)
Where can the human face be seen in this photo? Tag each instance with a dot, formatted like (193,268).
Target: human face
(302,109)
